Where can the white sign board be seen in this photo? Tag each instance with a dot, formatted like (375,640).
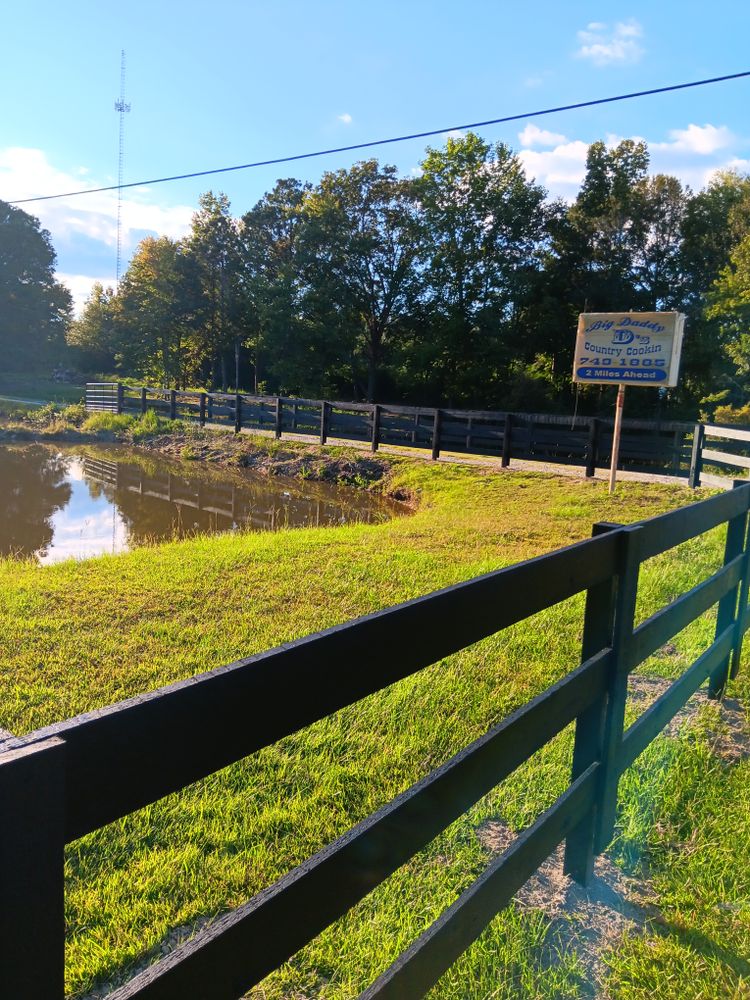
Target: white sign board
(629,348)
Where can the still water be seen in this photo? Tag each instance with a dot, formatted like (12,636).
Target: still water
(61,504)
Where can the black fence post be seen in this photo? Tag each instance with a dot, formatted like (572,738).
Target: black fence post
(696,458)
(120,397)
(727,612)
(143,399)
(614,723)
(507,440)
(324,411)
(592,448)
(375,440)
(237,413)
(202,409)
(597,635)
(172,404)
(739,627)
(32,885)
(437,420)
(278,418)
(532,427)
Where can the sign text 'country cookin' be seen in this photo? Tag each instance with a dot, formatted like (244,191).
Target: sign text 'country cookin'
(629,348)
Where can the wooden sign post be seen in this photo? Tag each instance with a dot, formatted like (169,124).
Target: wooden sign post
(616,436)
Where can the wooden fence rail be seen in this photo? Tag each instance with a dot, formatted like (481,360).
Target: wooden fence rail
(68,779)
(656,446)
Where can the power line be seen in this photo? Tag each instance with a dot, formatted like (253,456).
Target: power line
(398,138)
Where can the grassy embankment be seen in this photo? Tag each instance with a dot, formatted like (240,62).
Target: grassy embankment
(80,635)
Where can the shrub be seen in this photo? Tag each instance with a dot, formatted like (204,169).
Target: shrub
(732,414)
(74,414)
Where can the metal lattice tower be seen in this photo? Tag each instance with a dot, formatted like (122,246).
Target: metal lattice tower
(121,108)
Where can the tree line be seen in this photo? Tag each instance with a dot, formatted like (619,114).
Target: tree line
(459,286)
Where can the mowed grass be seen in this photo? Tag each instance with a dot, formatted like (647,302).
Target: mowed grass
(81,635)
(41,386)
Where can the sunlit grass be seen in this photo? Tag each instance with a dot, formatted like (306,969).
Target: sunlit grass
(80,635)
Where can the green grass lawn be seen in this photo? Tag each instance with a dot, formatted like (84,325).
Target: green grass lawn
(41,386)
(80,635)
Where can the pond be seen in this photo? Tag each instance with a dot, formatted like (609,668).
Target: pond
(74,503)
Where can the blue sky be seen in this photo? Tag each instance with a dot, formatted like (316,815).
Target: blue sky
(217,84)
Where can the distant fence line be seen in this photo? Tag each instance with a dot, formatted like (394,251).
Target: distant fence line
(68,779)
(673,447)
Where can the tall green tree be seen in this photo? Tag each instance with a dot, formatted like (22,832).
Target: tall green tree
(729,306)
(483,224)
(157,313)
(360,250)
(284,346)
(35,309)
(95,335)
(227,309)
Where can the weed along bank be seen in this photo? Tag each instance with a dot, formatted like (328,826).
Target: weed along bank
(63,783)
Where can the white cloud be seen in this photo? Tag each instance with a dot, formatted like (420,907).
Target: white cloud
(25,173)
(88,220)
(700,139)
(80,286)
(346,118)
(534,136)
(602,45)
(561,170)
(455,133)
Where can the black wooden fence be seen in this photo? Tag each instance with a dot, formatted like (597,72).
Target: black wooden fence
(63,781)
(724,448)
(648,445)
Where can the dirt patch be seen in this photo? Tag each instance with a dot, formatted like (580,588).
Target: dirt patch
(589,921)
(585,920)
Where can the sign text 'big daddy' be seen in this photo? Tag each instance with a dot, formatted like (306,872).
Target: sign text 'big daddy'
(631,348)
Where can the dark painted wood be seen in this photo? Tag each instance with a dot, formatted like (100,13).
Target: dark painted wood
(694,478)
(375,439)
(256,938)
(656,717)
(507,440)
(727,612)
(598,622)
(592,447)
(660,627)
(739,628)
(237,413)
(32,916)
(630,557)
(278,418)
(324,414)
(202,417)
(422,965)
(127,755)
(664,532)
(436,422)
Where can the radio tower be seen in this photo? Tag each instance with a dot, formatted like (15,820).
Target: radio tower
(121,108)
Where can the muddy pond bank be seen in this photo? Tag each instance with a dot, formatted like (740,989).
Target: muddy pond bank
(61,501)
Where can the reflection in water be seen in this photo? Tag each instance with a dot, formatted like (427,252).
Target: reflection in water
(33,486)
(58,506)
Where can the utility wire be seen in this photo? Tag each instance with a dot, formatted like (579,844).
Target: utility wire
(385,142)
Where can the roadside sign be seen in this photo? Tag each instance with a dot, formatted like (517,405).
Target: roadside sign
(629,348)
